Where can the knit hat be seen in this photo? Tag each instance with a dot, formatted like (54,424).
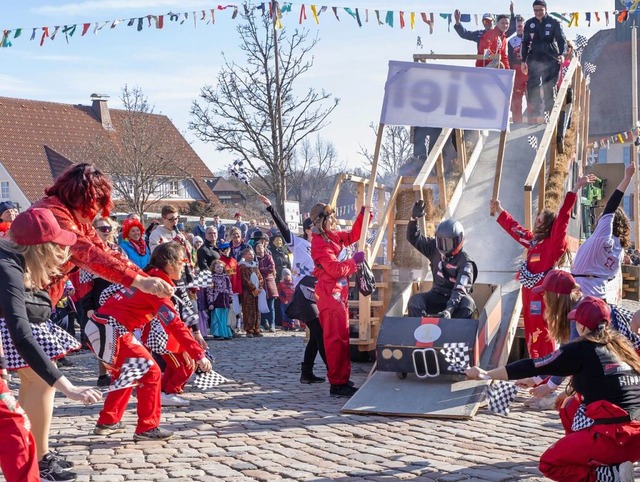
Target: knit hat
(131,223)
(224,245)
(307,223)
(557,281)
(286,272)
(539,3)
(5,206)
(591,312)
(197,239)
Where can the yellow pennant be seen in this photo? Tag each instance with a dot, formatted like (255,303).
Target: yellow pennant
(413,19)
(574,19)
(314,10)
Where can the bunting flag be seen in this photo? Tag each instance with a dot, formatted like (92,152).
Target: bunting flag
(276,12)
(619,137)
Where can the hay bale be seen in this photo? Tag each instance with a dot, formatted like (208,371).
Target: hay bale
(405,255)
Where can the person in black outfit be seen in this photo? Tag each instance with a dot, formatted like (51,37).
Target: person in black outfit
(601,421)
(452,268)
(208,252)
(543,45)
(28,261)
(303,306)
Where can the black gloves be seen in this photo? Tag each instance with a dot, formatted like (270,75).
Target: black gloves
(418,209)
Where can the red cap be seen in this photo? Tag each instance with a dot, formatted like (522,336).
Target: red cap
(39,226)
(557,281)
(237,214)
(591,312)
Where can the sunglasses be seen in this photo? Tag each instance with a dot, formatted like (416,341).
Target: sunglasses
(175,218)
(104,229)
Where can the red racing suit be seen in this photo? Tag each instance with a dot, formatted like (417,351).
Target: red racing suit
(575,457)
(18,459)
(332,291)
(89,253)
(134,309)
(494,42)
(541,257)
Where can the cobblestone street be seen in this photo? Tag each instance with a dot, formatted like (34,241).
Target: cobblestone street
(267,426)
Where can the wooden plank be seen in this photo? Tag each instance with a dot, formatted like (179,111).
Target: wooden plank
(442,186)
(429,164)
(543,145)
(424,57)
(383,221)
(499,162)
(336,189)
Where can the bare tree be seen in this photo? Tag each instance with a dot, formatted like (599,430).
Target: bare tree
(243,114)
(313,173)
(138,156)
(395,149)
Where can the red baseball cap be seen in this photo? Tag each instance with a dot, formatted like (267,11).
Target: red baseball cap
(237,214)
(591,312)
(39,226)
(557,281)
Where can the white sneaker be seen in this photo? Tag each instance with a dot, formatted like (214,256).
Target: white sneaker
(173,400)
(625,472)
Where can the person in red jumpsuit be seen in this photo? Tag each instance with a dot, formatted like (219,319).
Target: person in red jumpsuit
(602,437)
(494,42)
(110,332)
(332,292)
(77,196)
(545,246)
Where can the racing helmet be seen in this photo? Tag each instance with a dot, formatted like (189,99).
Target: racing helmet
(449,237)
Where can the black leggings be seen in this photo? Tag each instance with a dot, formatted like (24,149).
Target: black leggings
(315,344)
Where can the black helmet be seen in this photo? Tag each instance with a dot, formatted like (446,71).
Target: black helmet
(449,236)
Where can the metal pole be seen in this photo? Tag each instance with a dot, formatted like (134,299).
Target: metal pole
(634,123)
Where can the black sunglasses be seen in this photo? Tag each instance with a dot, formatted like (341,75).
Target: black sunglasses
(104,229)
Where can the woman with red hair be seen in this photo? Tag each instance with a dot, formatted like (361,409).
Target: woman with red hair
(76,197)
(133,243)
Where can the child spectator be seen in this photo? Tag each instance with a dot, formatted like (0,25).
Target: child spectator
(110,332)
(285,294)
(248,267)
(236,284)
(219,297)
(267,269)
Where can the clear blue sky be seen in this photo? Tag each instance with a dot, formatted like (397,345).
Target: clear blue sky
(171,65)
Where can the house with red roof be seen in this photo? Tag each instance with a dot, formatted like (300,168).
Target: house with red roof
(39,140)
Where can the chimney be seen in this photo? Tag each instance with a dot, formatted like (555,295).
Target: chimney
(101,110)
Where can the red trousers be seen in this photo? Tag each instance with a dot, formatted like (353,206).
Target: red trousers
(519,91)
(575,457)
(148,389)
(334,318)
(18,459)
(177,372)
(536,332)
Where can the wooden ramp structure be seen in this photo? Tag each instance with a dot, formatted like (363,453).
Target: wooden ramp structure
(500,165)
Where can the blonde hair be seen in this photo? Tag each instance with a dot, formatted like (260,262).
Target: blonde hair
(114,227)
(42,262)
(556,309)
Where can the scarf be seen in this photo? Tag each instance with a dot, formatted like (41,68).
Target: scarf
(139,246)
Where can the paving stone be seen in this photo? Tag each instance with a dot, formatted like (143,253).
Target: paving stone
(267,426)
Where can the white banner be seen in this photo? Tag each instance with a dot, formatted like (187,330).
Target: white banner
(430,95)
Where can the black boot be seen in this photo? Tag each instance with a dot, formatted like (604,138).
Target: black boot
(342,390)
(307,375)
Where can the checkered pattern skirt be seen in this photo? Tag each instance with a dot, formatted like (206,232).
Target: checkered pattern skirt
(54,341)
